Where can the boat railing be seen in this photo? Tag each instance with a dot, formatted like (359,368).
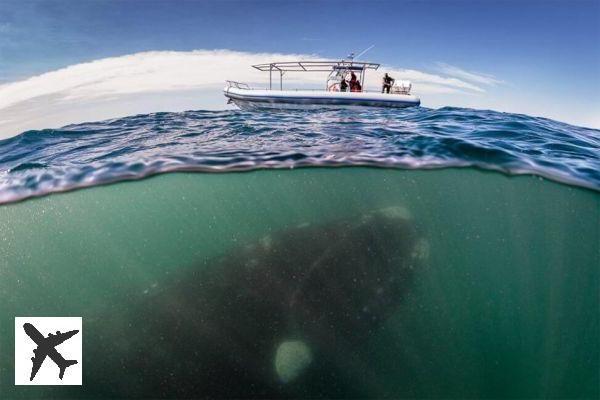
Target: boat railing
(239,85)
(347,91)
(242,85)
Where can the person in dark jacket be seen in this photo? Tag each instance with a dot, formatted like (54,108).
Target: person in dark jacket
(343,85)
(388,81)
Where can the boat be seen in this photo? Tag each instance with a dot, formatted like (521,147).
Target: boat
(331,96)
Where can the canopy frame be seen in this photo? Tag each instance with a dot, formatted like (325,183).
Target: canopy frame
(337,67)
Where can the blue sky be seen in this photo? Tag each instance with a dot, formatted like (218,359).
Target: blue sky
(543,56)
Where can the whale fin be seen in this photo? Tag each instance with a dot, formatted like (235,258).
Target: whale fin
(291,359)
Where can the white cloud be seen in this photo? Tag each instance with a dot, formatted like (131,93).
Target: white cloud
(433,83)
(139,73)
(475,77)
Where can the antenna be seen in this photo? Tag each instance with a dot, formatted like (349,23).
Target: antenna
(364,51)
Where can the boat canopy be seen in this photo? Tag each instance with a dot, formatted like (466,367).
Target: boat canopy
(335,68)
(316,66)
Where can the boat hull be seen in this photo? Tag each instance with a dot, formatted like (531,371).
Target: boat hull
(252,99)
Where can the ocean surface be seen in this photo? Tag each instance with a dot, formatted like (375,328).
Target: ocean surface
(418,253)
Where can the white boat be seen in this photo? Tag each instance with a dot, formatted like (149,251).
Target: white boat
(246,97)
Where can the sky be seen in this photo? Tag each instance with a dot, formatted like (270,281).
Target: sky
(71,61)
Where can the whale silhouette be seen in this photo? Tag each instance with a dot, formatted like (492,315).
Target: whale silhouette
(286,316)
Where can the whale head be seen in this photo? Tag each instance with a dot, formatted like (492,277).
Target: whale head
(360,277)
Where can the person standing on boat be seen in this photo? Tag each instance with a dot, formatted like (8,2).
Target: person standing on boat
(343,84)
(388,81)
(353,81)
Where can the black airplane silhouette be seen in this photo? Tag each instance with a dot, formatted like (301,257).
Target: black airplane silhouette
(46,347)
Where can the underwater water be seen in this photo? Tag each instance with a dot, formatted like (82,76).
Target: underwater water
(400,281)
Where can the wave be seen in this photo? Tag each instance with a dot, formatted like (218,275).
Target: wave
(36,163)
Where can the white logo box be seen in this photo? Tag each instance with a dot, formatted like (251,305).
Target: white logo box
(70,349)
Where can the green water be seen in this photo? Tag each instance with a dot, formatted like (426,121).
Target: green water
(507,305)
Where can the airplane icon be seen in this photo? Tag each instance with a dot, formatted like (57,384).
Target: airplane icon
(46,347)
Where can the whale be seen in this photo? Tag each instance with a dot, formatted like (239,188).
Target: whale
(287,315)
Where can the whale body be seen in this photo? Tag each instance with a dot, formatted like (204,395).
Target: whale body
(286,316)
